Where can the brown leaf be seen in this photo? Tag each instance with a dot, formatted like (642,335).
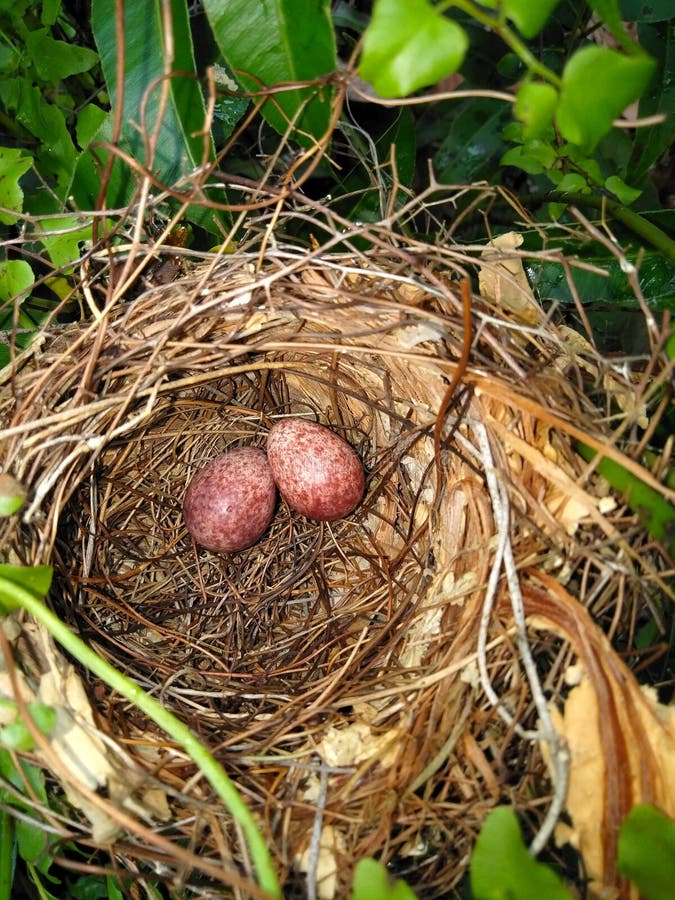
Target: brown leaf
(621,740)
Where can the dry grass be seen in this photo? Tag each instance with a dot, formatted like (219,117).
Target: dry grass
(364,682)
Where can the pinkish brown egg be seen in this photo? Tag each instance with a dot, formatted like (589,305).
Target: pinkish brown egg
(317,473)
(230,502)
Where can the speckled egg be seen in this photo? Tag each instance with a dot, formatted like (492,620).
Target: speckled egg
(230,502)
(318,474)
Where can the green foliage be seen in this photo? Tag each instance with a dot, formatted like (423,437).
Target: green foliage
(94,887)
(22,783)
(603,286)
(646,10)
(529,17)
(564,106)
(502,869)
(597,85)
(409,45)
(22,836)
(535,107)
(473,138)
(170,140)
(39,96)
(13,164)
(35,579)
(16,279)
(670,346)
(373,882)
(16,735)
(655,513)
(646,851)
(276,42)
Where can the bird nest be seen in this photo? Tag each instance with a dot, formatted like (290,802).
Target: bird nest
(370,684)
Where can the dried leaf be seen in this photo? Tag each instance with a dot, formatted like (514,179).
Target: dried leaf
(621,740)
(75,740)
(503,281)
(332,845)
(356,743)
(578,352)
(566,500)
(581,725)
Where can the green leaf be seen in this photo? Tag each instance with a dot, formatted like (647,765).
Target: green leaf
(16,736)
(8,770)
(50,11)
(659,99)
(535,107)
(54,60)
(34,776)
(530,17)
(55,155)
(179,146)
(16,278)
(502,869)
(399,140)
(533,157)
(96,887)
(42,892)
(36,579)
(409,45)
(572,181)
(276,41)
(90,119)
(372,882)
(62,237)
(44,716)
(646,10)
(89,887)
(12,166)
(656,275)
(655,513)
(87,176)
(622,191)
(7,854)
(646,851)
(230,108)
(670,346)
(32,841)
(597,85)
(10,59)
(473,144)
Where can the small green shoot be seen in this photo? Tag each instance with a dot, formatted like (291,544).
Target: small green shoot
(646,852)
(502,869)
(373,882)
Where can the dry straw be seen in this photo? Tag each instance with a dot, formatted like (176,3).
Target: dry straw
(376,685)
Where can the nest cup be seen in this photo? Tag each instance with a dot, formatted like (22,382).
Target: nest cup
(331,666)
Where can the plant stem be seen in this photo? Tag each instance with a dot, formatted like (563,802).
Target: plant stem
(645,229)
(15,595)
(497,23)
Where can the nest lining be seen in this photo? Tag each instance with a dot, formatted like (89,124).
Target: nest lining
(363,630)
